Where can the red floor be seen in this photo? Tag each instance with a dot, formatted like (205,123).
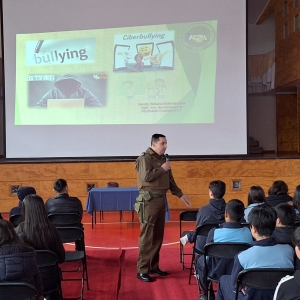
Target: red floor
(111,233)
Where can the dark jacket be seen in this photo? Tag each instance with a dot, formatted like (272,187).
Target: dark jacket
(152,177)
(212,213)
(63,203)
(18,264)
(288,288)
(283,234)
(273,200)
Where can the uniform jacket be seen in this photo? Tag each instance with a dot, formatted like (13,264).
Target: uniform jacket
(152,177)
(264,254)
(288,288)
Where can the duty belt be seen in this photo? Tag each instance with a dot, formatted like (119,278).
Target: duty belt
(154,195)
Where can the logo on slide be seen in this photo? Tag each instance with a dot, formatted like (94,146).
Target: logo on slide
(60,52)
(198,36)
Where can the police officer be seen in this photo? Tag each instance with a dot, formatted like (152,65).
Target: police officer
(155,178)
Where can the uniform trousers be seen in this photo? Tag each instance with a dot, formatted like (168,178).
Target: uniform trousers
(152,234)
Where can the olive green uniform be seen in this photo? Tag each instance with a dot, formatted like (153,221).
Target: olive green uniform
(153,182)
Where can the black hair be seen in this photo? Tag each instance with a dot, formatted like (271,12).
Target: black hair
(217,188)
(155,137)
(256,195)
(8,234)
(263,217)
(296,237)
(286,214)
(235,209)
(59,185)
(296,200)
(278,187)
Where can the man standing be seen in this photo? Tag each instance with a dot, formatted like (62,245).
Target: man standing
(155,178)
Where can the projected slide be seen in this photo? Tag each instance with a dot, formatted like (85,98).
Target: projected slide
(157,74)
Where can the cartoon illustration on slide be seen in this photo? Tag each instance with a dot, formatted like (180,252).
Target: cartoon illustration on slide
(139,66)
(128,89)
(156,89)
(152,55)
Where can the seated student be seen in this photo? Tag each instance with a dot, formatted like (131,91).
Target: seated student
(38,232)
(284,229)
(278,193)
(21,193)
(288,287)
(211,213)
(17,260)
(230,231)
(62,202)
(265,253)
(256,197)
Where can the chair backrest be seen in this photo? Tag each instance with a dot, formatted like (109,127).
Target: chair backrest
(16,219)
(48,265)
(262,278)
(17,291)
(224,250)
(65,219)
(112,184)
(70,234)
(205,228)
(188,216)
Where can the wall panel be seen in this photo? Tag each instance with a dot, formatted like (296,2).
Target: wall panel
(192,176)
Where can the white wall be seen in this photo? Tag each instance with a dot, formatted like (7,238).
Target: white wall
(262,107)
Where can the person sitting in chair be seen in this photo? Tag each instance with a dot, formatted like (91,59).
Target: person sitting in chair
(230,231)
(265,253)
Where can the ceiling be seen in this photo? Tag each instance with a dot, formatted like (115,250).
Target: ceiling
(255,8)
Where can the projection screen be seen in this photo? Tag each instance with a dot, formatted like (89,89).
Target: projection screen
(91,78)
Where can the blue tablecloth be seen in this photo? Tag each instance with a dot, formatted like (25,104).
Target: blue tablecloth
(117,199)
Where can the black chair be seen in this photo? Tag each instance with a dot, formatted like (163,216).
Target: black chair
(16,219)
(65,219)
(185,216)
(17,291)
(69,235)
(263,278)
(201,230)
(222,251)
(50,272)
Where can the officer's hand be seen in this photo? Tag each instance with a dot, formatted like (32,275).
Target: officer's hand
(166,166)
(186,200)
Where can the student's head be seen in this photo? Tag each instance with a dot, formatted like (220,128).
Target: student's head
(296,201)
(256,195)
(278,187)
(234,210)
(8,234)
(24,191)
(217,189)
(263,218)
(286,215)
(296,241)
(60,185)
(34,209)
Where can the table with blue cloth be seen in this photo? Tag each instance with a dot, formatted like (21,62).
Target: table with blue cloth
(113,199)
